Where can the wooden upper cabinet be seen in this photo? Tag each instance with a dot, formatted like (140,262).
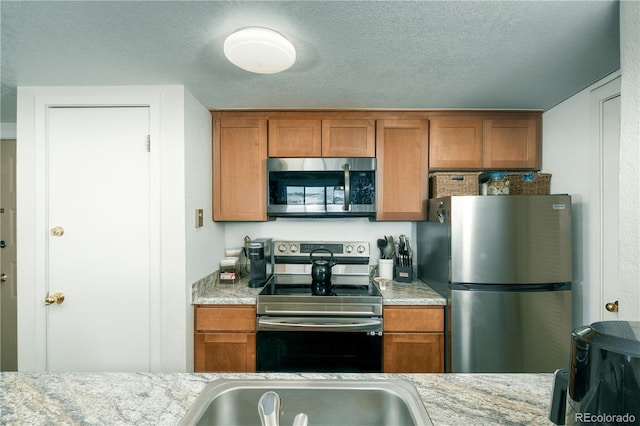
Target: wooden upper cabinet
(295,138)
(455,143)
(402,151)
(348,138)
(485,142)
(239,169)
(512,144)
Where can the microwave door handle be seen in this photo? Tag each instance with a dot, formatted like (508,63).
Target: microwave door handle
(347,188)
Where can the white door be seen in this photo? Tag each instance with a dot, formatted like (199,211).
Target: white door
(610,205)
(8,290)
(605,168)
(98,254)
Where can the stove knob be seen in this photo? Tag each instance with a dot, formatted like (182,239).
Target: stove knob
(361,249)
(349,249)
(282,248)
(293,248)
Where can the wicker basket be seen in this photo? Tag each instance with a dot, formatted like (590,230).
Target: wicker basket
(529,183)
(444,184)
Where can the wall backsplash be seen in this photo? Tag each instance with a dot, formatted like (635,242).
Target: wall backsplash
(318,229)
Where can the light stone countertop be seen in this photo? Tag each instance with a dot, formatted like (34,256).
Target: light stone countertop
(164,398)
(209,292)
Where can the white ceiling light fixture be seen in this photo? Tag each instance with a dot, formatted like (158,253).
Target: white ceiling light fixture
(259,50)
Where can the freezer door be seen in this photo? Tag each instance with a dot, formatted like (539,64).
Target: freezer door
(511,239)
(514,332)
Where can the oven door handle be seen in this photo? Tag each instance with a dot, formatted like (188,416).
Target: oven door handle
(323,324)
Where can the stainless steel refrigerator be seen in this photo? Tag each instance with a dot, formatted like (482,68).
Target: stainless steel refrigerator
(504,263)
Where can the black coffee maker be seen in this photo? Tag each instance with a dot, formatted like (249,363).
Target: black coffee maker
(261,260)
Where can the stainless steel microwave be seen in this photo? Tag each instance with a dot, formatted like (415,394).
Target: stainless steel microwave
(321,187)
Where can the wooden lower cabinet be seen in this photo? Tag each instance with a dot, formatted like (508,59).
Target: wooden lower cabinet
(224,338)
(413,339)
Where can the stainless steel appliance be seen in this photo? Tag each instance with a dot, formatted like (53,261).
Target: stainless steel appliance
(261,261)
(603,380)
(298,330)
(321,187)
(504,263)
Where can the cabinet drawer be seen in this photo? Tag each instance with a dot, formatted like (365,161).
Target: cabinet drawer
(225,318)
(414,319)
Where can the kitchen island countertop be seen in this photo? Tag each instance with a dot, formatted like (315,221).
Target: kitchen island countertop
(209,292)
(164,398)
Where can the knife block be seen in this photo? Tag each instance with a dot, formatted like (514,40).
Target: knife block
(403,274)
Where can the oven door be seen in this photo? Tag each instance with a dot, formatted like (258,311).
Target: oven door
(347,345)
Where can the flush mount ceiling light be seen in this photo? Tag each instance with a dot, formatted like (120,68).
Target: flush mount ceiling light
(259,50)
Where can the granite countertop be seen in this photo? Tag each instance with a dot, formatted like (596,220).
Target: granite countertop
(164,398)
(210,292)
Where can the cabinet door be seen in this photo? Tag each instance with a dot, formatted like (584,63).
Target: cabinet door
(225,352)
(295,138)
(455,143)
(239,169)
(403,166)
(414,352)
(512,144)
(348,138)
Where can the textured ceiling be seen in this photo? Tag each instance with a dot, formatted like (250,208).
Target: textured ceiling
(361,54)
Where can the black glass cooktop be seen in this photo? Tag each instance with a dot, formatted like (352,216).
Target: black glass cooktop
(301,285)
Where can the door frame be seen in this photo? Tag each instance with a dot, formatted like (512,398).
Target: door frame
(13,323)
(37,217)
(597,97)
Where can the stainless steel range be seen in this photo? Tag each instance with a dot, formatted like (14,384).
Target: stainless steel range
(308,323)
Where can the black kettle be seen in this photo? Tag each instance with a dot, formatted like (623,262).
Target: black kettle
(321,269)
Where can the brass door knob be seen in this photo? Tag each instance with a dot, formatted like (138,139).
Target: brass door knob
(612,307)
(56,298)
(57,231)
(3,277)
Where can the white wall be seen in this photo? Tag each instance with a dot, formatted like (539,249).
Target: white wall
(204,246)
(630,161)
(566,153)
(357,229)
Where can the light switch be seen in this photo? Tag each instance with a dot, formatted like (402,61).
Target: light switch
(199,218)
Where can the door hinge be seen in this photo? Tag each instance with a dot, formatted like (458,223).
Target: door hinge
(148,143)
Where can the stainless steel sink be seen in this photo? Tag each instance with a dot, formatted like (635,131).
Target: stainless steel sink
(326,402)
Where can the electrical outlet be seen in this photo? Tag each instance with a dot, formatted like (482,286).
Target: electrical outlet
(199,218)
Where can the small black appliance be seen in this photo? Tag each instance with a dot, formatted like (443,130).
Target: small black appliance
(261,259)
